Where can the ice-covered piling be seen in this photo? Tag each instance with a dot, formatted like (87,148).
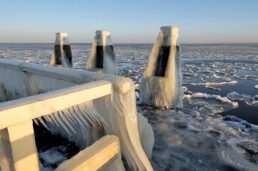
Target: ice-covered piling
(161,84)
(62,54)
(102,58)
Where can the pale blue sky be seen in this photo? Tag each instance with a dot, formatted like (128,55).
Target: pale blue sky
(132,21)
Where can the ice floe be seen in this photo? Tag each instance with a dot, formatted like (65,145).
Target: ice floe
(211,96)
(249,100)
(213,83)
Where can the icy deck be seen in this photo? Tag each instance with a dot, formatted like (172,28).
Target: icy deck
(188,140)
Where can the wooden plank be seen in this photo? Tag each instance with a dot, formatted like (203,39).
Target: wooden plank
(28,108)
(95,157)
(23,147)
(6,162)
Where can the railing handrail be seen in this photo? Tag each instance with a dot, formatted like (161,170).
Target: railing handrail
(28,108)
(75,76)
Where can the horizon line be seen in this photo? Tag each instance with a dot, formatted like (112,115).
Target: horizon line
(133,43)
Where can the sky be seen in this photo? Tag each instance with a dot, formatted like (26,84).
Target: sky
(132,21)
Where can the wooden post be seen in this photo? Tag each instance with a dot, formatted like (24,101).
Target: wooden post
(20,152)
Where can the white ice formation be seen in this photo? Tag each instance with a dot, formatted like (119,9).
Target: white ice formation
(211,96)
(161,84)
(83,124)
(249,100)
(102,58)
(62,54)
(213,83)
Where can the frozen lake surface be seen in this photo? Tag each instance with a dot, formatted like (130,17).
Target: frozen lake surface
(218,79)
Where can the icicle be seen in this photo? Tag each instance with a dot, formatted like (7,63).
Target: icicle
(79,115)
(86,116)
(58,119)
(64,118)
(36,121)
(43,122)
(76,120)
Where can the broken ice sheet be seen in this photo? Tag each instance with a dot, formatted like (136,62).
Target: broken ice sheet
(211,105)
(249,100)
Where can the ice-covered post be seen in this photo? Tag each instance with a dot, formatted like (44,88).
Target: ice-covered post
(62,54)
(161,84)
(102,58)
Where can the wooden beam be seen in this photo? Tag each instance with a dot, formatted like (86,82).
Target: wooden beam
(95,157)
(6,162)
(25,109)
(23,151)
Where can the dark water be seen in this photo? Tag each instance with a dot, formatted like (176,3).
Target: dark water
(246,112)
(242,87)
(243,111)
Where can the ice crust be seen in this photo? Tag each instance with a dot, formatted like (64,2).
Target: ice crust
(187,139)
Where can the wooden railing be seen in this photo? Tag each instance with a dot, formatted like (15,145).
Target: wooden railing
(19,80)
(16,126)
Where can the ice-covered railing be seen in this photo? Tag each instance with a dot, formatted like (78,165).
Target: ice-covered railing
(118,112)
(18,148)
